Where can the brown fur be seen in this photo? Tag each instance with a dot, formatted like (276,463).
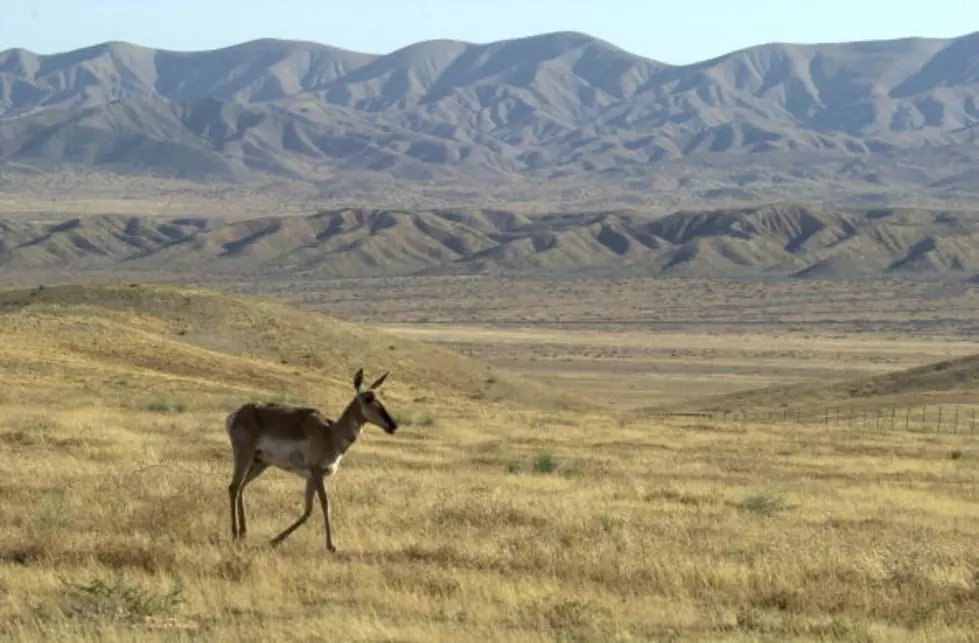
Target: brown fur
(301,441)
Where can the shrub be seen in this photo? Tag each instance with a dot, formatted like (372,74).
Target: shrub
(763,503)
(545,463)
(116,599)
(167,406)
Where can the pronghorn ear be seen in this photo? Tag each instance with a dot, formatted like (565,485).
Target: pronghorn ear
(379,381)
(359,380)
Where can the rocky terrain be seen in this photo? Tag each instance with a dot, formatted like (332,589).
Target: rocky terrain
(864,121)
(776,240)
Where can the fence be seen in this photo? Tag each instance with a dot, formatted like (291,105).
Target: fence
(951,419)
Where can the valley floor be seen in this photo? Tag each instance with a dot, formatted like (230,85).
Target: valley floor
(634,342)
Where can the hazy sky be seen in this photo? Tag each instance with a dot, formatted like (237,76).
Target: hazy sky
(675,31)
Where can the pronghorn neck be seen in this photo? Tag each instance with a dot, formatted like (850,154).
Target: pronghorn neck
(348,427)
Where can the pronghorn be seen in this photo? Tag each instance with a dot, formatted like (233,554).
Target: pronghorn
(301,441)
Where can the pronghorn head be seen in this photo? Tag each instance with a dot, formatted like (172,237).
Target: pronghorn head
(370,407)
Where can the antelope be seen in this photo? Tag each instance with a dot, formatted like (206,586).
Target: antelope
(301,441)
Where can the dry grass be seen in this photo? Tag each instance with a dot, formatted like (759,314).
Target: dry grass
(643,532)
(638,342)
(63,195)
(477,521)
(947,383)
(633,369)
(116,337)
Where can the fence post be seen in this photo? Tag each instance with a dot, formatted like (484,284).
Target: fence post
(939,429)
(877,420)
(955,422)
(907,419)
(893,411)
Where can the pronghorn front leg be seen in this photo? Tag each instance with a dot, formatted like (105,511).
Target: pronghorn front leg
(325,506)
(307,510)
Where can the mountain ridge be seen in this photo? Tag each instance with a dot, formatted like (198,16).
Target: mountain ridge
(784,240)
(562,104)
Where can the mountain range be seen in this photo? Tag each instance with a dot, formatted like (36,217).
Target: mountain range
(873,117)
(783,240)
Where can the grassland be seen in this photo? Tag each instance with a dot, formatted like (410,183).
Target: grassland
(495,513)
(66,195)
(636,342)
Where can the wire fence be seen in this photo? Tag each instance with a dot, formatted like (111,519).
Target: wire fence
(951,419)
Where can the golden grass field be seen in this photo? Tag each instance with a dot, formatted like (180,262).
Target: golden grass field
(637,342)
(496,513)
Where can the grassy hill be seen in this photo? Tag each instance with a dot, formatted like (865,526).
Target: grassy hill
(954,381)
(133,343)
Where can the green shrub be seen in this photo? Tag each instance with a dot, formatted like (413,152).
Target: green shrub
(545,463)
(763,503)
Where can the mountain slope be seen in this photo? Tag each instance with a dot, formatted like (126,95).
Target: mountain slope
(780,240)
(549,105)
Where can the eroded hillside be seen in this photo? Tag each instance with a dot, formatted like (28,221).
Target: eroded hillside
(778,240)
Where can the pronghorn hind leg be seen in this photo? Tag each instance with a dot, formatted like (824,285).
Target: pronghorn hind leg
(258,468)
(233,489)
(243,460)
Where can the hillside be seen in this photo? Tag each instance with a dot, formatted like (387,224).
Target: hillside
(866,116)
(130,342)
(946,382)
(775,240)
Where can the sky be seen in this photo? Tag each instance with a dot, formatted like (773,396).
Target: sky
(676,32)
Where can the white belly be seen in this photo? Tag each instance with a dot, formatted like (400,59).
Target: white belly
(294,457)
